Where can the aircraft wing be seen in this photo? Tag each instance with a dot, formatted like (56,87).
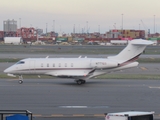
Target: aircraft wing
(72,73)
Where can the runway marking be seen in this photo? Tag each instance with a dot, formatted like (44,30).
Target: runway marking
(37,115)
(78,115)
(99,115)
(143,68)
(154,87)
(72,106)
(12,80)
(57,115)
(79,107)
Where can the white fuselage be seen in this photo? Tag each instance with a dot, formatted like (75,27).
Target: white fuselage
(65,67)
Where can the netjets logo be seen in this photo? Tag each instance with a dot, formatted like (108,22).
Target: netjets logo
(107,117)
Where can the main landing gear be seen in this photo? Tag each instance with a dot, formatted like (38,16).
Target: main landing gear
(79,82)
(20,79)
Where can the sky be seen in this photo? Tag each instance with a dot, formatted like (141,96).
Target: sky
(63,16)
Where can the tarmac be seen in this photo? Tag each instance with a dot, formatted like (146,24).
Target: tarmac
(63,99)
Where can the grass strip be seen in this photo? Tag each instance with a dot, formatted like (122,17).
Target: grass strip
(130,76)
(149,60)
(10,60)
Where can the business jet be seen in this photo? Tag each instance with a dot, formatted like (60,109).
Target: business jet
(80,69)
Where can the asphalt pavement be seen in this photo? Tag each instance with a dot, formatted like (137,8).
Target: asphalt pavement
(62,98)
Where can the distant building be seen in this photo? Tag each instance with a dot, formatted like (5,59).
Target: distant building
(10,26)
(126,34)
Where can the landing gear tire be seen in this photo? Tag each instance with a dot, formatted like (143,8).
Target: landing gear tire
(20,81)
(79,82)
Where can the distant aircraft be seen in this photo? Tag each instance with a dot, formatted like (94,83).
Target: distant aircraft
(80,69)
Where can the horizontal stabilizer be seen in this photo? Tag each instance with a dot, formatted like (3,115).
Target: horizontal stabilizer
(141,42)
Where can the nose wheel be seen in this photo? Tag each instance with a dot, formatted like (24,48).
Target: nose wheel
(20,79)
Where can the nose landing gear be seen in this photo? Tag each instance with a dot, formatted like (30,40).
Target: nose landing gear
(20,79)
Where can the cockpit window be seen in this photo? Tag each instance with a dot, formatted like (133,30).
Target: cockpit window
(20,62)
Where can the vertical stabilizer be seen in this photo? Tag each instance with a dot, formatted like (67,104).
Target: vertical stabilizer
(132,50)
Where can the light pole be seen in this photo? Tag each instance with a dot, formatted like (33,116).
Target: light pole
(20,26)
(19,22)
(37,32)
(122,22)
(122,26)
(74,28)
(154,24)
(87,27)
(53,25)
(46,29)
(60,28)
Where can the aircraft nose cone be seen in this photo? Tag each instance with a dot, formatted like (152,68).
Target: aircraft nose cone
(6,70)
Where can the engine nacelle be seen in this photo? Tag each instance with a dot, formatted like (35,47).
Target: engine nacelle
(101,64)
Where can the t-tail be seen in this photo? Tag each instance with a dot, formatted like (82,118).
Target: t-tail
(132,51)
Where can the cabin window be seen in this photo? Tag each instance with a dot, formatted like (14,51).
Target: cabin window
(65,64)
(59,64)
(41,64)
(48,65)
(20,62)
(71,64)
(53,65)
